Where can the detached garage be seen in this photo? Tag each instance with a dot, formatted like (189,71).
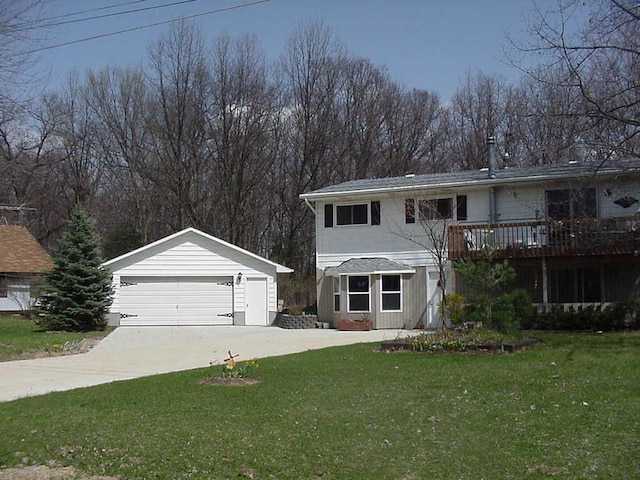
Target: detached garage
(191,278)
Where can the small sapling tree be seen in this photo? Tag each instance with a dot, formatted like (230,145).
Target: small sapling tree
(486,277)
(77,293)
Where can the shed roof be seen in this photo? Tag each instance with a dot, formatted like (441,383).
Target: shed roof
(376,265)
(478,177)
(20,252)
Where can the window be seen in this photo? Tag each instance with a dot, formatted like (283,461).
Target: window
(357,214)
(358,293)
(436,209)
(336,294)
(575,284)
(4,287)
(570,204)
(461,207)
(328,215)
(391,293)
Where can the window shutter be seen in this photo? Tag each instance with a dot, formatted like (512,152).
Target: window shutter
(328,215)
(410,210)
(375,213)
(461,207)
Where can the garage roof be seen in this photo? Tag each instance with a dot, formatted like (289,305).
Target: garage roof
(191,230)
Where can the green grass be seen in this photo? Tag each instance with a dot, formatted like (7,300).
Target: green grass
(567,408)
(20,338)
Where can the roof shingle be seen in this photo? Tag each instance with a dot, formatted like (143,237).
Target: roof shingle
(20,252)
(478,177)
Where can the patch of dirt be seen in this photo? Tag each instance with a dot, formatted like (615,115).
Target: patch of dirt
(69,348)
(228,382)
(42,472)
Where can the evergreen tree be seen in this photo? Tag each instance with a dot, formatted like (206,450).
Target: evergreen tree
(77,292)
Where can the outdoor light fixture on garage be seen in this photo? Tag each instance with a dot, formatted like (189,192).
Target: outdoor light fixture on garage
(239,276)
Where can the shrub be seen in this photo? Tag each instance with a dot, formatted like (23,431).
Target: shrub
(453,308)
(617,316)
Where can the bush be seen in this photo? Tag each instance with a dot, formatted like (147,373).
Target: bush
(453,308)
(617,316)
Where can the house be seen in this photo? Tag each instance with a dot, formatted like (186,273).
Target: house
(23,261)
(385,247)
(192,278)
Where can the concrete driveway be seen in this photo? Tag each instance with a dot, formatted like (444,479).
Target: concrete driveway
(133,352)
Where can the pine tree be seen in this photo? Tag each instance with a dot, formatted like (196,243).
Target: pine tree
(77,292)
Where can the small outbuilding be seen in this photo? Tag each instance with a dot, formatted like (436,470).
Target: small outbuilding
(23,263)
(192,278)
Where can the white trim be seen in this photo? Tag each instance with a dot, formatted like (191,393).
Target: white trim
(338,293)
(359,293)
(382,292)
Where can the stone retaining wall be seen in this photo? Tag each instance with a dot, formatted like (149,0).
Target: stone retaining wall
(284,320)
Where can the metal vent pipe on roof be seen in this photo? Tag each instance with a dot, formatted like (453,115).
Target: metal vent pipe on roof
(491,147)
(491,151)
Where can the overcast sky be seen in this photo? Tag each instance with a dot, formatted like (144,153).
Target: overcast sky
(425,44)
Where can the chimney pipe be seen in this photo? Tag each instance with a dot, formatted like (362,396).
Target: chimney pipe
(493,211)
(491,150)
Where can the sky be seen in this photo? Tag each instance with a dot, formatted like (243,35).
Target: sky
(423,44)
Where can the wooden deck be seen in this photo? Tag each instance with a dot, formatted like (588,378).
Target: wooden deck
(548,238)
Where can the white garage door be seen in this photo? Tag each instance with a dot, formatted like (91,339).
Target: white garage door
(176,301)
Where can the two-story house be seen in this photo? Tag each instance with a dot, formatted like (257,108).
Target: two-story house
(385,247)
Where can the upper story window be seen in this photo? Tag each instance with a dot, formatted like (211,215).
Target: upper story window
(352,214)
(569,204)
(435,209)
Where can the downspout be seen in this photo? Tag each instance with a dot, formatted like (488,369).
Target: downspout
(493,214)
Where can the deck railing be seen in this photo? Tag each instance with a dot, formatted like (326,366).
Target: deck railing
(587,236)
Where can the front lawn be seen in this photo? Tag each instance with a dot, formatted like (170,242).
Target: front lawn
(21,338)
(567,408)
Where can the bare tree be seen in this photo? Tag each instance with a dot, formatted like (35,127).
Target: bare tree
(477,110)
(179,84)
(78,168)
(597,45)
(20,31)
(410,133)
(239,143)
(311,83)
(118,98)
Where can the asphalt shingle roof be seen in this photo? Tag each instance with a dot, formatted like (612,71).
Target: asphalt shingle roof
(20,252)
(369,265)
(479,177)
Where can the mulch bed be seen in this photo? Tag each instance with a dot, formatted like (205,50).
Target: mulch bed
(403,345)
(229,381)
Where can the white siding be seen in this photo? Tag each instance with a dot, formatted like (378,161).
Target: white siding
(515,203)
(18,296)
(191,255)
